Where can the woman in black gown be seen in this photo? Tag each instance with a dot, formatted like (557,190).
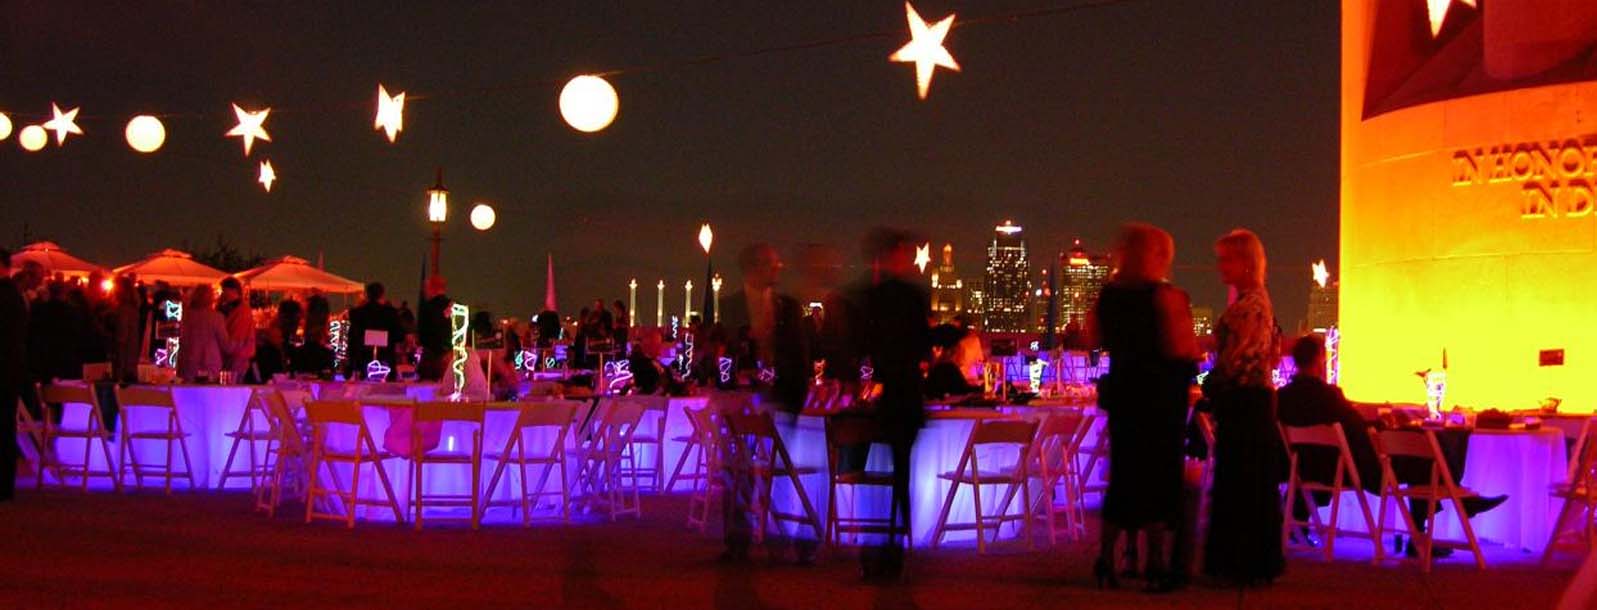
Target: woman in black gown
(1145,324)
(1244,543)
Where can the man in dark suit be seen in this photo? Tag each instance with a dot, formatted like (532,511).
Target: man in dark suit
(893,333)
(374,314)
(1308,400)
(13,351)
(765,340)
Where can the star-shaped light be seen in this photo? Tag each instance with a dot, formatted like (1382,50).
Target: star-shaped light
(1321,274)
(390,113)
(925,48)
(63,123)
(1437,10)
(923,256)
(268,176)
(251,125)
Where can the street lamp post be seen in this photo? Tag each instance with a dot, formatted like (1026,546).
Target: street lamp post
(706,236)
(437,212)
(659,304)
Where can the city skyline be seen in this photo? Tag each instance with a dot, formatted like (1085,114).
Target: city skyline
(1071,125)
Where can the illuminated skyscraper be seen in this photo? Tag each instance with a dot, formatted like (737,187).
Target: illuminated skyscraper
(1007,291)
(1202,321)
(1081,277)
(949,296)
(1322,306)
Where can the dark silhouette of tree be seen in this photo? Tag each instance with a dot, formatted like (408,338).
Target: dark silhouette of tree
(224,256)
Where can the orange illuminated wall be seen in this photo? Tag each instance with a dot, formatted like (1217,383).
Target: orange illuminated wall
(1469,220)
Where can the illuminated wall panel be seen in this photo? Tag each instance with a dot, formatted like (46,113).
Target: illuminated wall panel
(1469,201)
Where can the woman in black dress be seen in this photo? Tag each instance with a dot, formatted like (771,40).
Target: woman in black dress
(1145,324)
(1244,543)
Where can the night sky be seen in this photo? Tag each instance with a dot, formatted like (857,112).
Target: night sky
(1196,115)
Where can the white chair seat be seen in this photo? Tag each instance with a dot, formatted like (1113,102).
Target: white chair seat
(981,478)
(157,435)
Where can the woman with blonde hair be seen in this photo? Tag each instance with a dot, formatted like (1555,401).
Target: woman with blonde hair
(1145,323)
(1244,540)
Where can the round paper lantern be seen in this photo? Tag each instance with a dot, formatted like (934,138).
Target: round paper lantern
(482,217)
(589,103)
(146,134)
(33,138)
(5,126)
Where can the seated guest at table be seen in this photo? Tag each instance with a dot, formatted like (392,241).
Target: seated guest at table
(945,378)
(1308,400)
(648,375)
(235,309)
(203,339)
(272,356)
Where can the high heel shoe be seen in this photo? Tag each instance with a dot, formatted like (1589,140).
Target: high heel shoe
(1103,572)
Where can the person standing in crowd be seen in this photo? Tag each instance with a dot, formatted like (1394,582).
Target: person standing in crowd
(893,333)
(548,325)
(127,327)
(1145,321)
(621,325)
(375,314)
(235,309)
(407,318)
(290,314)
(52,344)
(204,339)
(433,330)
(1244,539)
(766,335)
(13,372)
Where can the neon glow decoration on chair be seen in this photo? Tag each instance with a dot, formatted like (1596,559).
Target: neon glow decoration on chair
(458,318)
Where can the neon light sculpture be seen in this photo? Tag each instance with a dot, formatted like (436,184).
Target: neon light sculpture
(1034,373)
(725,366)
(459,315)
(619,374)
(167,357)
(377,371)
(338,336)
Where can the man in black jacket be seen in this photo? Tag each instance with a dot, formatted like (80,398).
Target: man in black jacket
(1308,400)
(893,333)
(374,314)
(13,374)
(765,340)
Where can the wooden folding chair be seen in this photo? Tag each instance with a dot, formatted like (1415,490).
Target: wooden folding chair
(651,434)
(1440,487)
(709,431)
(443,414)
(992,434)
(1095,455)
(1577,496)
(600,454)
(843,432)
(692,450)
(254,430)
(134,399)
(1345,479)
(325,415)
(94,433)
(555,415)
(285,457)
(30,439)
(1059,438)
(767,459)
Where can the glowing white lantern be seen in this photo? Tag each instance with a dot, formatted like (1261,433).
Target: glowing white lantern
(482,217)
(588,103)
(5,126)
(145,133)
(33,138)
